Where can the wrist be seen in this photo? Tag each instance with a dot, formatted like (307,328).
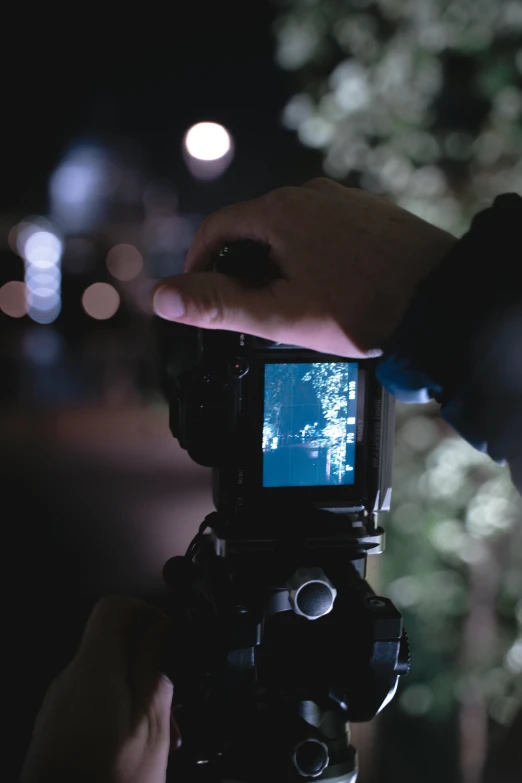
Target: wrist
(451,339)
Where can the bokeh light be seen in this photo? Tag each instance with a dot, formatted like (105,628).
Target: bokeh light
(44,309)
(124,262)
(42,249)
(366,89)
(416,699)
(13,299)
(42,299)
(80,187)
(207,141)
(100,301)
(42,346)
(208,150)
(23,230)
(50,278)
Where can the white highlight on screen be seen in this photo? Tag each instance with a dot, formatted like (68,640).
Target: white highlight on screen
(350,420)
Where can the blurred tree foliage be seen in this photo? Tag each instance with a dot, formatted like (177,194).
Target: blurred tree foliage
(421,101)
(453,564)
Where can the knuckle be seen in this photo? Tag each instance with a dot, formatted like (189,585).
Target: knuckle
(280,196)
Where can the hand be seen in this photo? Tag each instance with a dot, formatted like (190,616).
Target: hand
(350,260)
(106,717)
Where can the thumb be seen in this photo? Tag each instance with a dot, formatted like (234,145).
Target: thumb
(215,301)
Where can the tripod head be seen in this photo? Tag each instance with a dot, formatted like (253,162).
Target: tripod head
(279,642)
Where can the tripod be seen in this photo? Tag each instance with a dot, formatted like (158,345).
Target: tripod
(278,643)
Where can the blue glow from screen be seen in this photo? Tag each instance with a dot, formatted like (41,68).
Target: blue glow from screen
(309,424)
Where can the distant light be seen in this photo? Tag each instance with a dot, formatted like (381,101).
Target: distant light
(298,109)
(351,86)
(42,346)
(100,301)
(50,277)
(417,699)
(42,249)
(13,299)
(36,284)
(315,132)
(20,233)
(124,262)
(297,42)
(207,141)
(80,187)
(73,183)
(208,150)
(514,658)
(42,299)
(507,103)
(48,313)
(12,237)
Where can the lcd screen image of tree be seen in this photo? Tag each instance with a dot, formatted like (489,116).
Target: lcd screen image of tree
(309,424)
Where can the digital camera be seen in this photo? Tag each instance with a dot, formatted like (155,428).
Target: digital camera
(281,426)
(279,640)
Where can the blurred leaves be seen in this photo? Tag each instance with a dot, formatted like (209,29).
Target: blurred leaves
(454,552)
(419,100)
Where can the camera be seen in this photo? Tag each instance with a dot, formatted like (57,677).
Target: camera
(281,426)
(278,640)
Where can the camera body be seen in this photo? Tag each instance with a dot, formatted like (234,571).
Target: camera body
(282,427)
(279,640)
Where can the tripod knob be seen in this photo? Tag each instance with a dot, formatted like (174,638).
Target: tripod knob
(311,593)
(311,758)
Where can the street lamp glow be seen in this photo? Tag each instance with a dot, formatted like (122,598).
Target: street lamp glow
(42,249)
(207,141)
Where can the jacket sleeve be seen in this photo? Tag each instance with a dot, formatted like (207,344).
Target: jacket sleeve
(460,341)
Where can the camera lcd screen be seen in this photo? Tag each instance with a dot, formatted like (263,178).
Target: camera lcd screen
(309,424)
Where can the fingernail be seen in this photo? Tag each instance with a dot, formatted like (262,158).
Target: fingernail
(168,303)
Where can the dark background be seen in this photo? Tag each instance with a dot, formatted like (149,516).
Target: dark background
(95,499)
(143,79)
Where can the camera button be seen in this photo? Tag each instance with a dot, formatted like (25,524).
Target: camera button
(238,367)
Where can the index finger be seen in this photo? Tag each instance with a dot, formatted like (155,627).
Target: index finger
(246,220)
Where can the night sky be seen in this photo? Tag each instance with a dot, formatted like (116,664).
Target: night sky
(143,77)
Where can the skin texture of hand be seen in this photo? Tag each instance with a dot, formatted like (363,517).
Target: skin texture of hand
(350,264)
(106,717)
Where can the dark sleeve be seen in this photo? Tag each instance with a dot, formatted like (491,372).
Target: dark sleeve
(460,341)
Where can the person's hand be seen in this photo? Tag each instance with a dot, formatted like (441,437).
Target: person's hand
(350,261)
(106,717)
